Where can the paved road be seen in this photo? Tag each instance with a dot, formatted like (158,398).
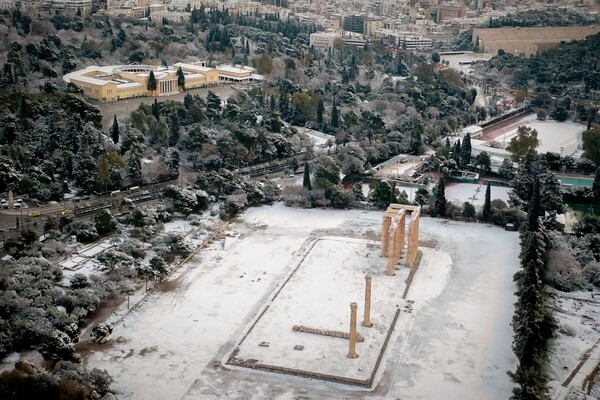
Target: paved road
(123,108)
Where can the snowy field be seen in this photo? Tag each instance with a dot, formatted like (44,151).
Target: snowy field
(557,137)
(456,342)
(474,193)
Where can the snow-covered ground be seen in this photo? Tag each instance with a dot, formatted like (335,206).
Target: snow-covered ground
(474,193)
(455,345)
(317,138)
(578,318)
(557,137)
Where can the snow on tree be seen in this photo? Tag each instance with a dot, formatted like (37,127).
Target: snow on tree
(101,333)
(439,202)
(533,169)
(85,231)
(134,164)
(187,200)
(105,222)
(115,258)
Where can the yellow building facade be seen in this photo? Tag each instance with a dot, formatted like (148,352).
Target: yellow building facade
(112,83)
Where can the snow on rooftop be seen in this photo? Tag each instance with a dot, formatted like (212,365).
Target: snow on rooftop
(192,67)
(103,70)
(235,69)
(89,79)
(128,85)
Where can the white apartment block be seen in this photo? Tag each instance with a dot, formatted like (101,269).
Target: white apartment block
(6,4)
(69,6)
(417,42)
(323,40)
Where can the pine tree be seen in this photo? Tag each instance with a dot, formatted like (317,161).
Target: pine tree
(439,206)
(213,105)
(465,150)
(180,79)
(152,84)
(247,47)
(306,182)
(416,142)
(134,164)
(335,118)
(188,100)
(320,110)
(486,213)
(114,131)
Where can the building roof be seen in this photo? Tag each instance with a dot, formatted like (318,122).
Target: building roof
(89,79)
(192,67)
(235,70)
(128,85)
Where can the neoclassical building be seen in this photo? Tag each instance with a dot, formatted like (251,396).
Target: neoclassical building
(118,82)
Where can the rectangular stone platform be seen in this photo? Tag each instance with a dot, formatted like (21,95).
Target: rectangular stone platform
(317,295)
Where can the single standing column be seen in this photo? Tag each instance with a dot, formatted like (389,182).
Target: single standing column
(391,264)
(385,235)
(367,321)
(352,349)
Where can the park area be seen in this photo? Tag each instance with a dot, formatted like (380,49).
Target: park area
(563,138)
(277,267)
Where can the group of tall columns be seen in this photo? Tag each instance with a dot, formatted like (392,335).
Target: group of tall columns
(169,86)
(392,245)
(394,232)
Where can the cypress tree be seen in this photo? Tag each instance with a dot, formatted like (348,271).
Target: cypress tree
(306,182)
(114,131)
(335,118)
(596,186)
(439,207)
(532,323)
(486,213)
(456,153)
(152,85)
(465,150)
(180,79)
(320,110)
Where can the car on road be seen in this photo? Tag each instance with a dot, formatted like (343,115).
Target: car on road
(34,214)
(66,212)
